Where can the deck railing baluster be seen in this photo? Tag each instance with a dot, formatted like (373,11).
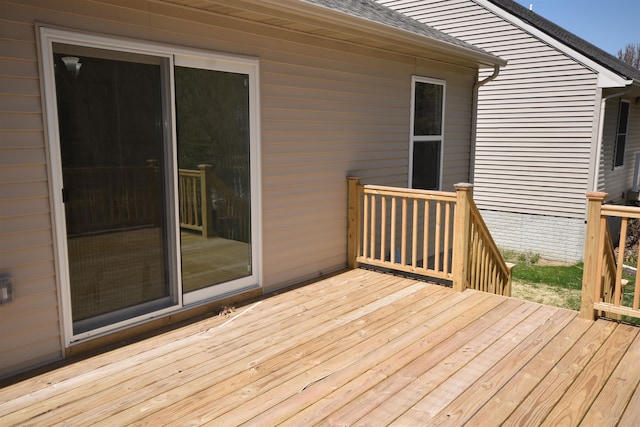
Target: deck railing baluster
(393,257)
(455,229)
(372,231)
(438,233)
(383,228)
(414,234)
(425,235)
(365,227)
(403,234)
(447,230)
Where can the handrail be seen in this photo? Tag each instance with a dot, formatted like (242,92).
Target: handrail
(408,192)
(602,281)
(431,233)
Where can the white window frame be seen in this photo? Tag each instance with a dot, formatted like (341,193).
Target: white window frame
(173,55)
(413,138)
(619,133)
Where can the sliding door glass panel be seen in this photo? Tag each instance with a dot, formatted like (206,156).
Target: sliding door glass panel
(110,115)
(214,182)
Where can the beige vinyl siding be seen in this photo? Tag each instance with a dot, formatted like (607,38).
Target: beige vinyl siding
(30,332)
(318,123)
(535,121)
(616,182)
(328,109)
(317,135)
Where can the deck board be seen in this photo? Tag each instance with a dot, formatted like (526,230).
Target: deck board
(501,371)
(359,348)
(399,371)
(452,389)
(631,416)
(545,395)
(496,410)
(578,398)
(376,351)
(406,385)
(617,391)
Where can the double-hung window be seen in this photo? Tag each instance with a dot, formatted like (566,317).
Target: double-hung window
(621,134)
(427,133)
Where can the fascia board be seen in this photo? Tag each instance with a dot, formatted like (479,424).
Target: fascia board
(605,81)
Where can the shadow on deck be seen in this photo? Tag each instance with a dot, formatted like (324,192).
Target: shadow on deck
(359,348)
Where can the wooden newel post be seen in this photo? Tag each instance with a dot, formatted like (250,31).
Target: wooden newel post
(205,199)
(590,277)
(461,236)
(353,221)
(507,291)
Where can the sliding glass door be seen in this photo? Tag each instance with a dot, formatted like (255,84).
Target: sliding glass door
(112,149)
(154,167)
(214,162)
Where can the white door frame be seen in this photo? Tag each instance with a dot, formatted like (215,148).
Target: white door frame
(172,54)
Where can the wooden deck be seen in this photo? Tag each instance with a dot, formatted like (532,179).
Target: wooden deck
(360,348)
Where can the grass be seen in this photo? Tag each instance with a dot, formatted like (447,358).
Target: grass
(562,276)
(554,284)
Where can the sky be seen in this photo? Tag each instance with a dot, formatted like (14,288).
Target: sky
(608,24)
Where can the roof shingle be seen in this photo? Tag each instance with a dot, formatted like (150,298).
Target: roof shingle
(584,47)
(375,12)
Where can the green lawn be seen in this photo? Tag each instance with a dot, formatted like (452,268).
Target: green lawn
(556,285)
(559,286)
(563,276)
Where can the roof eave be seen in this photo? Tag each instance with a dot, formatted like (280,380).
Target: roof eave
(377,29)
(609,79)
(483,60)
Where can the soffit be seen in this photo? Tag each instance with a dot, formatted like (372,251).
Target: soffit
(302,17)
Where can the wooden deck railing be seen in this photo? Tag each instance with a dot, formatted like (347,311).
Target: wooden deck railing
(489,272)
(610,271)
(195,199)
(208,205)
(430,233)
(603,286)
(109,198)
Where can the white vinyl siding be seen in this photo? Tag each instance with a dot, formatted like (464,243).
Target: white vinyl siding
(617,181)
(535,121)
(328,110)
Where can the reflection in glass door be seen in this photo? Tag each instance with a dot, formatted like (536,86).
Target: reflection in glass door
(214,182)
(112,150)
